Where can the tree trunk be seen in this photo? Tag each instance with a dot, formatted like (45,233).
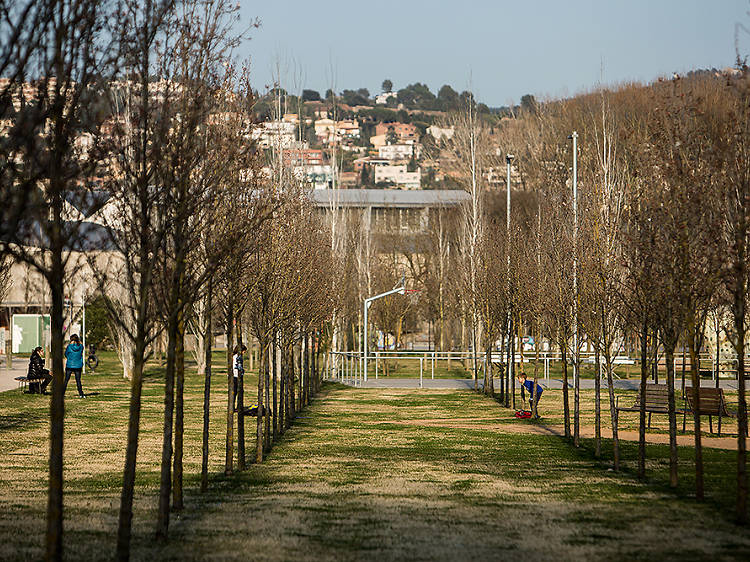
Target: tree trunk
(241,459)
(165,484)
(508,364)
(576,396)
(613,415)
(179,423)
(487,389)
(695,378)
(642,399)
(291,406)
(274,350)
(229,445)
(267,400)
(266,351)
(739,326)
(512,365)
(282,360)
(306,370)
(566,401)
(655,365)
(502,368)
(57,415)
(597,402)
(474,350)
(684,341)
(125,522)
(206,388)
(669,347)
(739,310)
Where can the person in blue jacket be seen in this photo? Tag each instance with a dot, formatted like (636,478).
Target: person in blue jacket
(74,363)
(529,386)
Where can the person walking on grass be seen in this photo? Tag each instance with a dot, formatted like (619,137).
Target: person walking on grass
(529,386)
(74,363)
(238,369)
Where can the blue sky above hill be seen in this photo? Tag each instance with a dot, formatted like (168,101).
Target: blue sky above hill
(502,49)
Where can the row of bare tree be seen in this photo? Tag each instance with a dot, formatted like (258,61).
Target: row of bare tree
(141,106)
(653,244)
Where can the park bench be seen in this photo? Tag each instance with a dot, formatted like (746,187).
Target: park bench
(712,403)
(657,402)
(33,384)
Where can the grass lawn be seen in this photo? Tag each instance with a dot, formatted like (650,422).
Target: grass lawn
(363,474)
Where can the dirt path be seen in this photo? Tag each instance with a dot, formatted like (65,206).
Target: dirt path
(392,474)
(586,431)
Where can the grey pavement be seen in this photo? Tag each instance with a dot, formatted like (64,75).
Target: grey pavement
(7,377)
(621,384)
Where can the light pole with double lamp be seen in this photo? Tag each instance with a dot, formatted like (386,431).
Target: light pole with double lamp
(401,289)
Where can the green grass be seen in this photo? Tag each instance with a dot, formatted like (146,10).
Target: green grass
(363,473)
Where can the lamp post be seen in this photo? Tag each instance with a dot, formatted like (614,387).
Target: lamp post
(368,302)
(511,338)
(576,373)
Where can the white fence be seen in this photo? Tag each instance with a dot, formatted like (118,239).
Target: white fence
(348,366)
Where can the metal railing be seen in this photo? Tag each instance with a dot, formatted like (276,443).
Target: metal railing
(348,366)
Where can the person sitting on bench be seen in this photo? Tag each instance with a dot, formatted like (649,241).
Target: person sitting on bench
(529,386)
(37,372)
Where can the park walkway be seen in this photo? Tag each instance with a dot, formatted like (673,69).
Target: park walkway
(394,474)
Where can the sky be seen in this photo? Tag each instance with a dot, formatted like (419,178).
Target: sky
(499,49)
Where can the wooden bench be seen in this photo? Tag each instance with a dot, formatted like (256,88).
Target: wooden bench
(712,403)
(657,402)
(23,382)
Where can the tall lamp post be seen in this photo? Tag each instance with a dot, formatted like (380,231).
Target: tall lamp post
(576,373)
(511,338)
(368,302)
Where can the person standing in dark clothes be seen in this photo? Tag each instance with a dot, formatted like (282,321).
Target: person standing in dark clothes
(74,363)
(238,369)
(37,372)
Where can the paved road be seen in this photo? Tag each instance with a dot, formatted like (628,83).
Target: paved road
(622,384)
(6,376)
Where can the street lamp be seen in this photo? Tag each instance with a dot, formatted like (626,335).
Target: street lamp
(576,374)
(368,302)
(511,343)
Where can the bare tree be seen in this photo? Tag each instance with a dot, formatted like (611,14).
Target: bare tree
(59,45)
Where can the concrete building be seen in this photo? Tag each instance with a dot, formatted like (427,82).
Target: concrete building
(404,131)
(391,212)
(398,151)
(274,133)
(438,133)
(398,176)
(382,99)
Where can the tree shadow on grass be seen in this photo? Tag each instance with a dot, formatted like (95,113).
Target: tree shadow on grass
(20,420)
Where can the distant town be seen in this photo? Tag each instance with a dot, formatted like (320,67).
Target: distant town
(392,140)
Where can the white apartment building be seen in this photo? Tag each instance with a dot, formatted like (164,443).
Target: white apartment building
(438,133)
(274,134)
(382,99)
(319,176)
(402,151)
(329,131)
(396,151)
(398,176)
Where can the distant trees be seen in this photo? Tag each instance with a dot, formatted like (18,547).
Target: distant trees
(528,103)
(387,85)
(356,97)
(448,98)
(310,95)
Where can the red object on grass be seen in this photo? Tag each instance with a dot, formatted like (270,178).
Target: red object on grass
(523,414)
